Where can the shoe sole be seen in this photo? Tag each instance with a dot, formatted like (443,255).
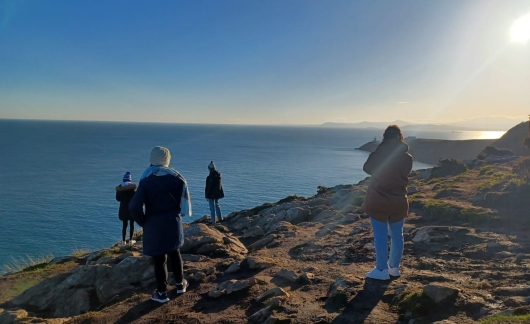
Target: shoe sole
(161,301)
(181,291)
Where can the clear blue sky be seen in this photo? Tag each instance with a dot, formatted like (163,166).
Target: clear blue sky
(262,62)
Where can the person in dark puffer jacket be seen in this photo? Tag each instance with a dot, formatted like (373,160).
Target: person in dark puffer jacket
(164,193)
(213,192)
(124,194)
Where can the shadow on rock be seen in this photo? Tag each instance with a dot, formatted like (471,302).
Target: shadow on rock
(139,310)
(361,306)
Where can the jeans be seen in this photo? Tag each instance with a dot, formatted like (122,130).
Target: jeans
(381,232)
(161,269)
(214,206)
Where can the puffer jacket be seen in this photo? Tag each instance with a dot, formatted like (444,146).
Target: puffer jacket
(124,195)
(214,187)
(161,220)
(389,166)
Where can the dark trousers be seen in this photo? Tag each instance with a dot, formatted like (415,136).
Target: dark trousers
(124,229)
(161,269)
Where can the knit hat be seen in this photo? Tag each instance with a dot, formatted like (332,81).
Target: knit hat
(127,177)
(160,156)
(211,166)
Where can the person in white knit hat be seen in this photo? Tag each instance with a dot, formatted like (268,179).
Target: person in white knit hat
(164,193)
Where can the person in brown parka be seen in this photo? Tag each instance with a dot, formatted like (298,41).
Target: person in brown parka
(386,200)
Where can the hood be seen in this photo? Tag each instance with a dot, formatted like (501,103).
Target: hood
(132,187)
(393,145)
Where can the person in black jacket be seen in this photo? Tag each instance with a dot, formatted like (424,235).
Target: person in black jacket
(213,192)
(164,193)
(124,194)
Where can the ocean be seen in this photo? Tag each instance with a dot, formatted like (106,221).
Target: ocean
(58,178)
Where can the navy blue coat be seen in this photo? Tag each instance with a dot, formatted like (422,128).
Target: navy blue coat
(161,221)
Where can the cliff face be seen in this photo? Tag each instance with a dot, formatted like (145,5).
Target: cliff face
(303,260)
(513,140)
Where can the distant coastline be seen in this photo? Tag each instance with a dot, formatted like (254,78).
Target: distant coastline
(432,150)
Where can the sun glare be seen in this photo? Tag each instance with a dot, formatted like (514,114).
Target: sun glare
(520,31)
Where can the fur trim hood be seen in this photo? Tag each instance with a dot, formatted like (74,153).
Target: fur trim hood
(132,186)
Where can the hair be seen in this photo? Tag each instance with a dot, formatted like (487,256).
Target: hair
(393,132)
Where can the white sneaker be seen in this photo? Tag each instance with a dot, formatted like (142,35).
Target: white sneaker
(378,274)
(394,272)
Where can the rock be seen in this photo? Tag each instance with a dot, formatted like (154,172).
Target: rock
(297,215)
(233,268)
(10,316)
(287,275)
(194,257)
(438,293)
(356,230)
(350,218)
(513,291)
(230,286)
(319,201)
(306,278)
(254,231)
(261,243)
(133,270)
(424,174)
(515,301)
(280,227)
(262,315)
(254,263)
(272,293)
(344,282)
(201,239)
(74,303)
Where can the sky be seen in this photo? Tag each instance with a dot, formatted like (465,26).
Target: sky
(263,62)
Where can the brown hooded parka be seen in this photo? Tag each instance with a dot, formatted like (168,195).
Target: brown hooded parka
(389,166)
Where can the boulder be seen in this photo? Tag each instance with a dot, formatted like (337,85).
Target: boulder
(10,316)
(286,275)
(230,286)
(264,313)
(201,239)
(262,243)
(254,231)
(439,293)
(254,263)
(274,292)
(297,215)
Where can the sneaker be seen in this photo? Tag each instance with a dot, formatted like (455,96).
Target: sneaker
(159,297)
(181,287)
(394,272)
(378,274)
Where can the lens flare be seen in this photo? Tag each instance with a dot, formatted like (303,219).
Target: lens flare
(520,31)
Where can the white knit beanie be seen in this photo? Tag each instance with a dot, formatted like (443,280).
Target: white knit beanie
(160,156)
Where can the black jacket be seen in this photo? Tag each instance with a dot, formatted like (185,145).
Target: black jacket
(124,196)
(161,195)
(214,187)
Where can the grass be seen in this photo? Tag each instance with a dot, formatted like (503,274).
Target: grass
(28,263)
(416,303)
(442,209)
(499,181)
(506,319)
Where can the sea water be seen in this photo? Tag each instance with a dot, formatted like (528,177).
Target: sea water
(58,179)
